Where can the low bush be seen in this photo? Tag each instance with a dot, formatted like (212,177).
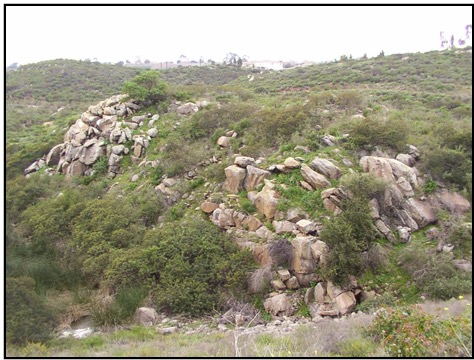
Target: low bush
(434,274)
(410,332)
(280,251)
(374,131)
(449,165)
(194,263)
(27,318)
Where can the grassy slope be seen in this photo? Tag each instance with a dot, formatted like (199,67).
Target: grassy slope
(427,90)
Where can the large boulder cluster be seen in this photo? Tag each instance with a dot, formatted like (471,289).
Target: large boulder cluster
(102,130)
(396,214)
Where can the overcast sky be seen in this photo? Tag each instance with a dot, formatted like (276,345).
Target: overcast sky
(163,33)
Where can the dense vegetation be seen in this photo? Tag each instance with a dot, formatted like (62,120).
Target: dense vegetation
(71,244)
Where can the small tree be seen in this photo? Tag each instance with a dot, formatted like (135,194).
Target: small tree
(351,233)
(146,87)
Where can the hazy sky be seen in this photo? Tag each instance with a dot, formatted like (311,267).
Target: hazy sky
(163,33)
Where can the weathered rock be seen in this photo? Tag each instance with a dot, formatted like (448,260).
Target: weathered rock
(278,305)
(208,207)
(138,150)
(139,119)
(224,141)
(329,140)
(153,132)
(244,161)
(326,168)
(75,168)
(278,285)
(330,309)
(54,155)
(399,169)
(306,185)
(284,274)
(167,330)
(115,135)
(292,283)
(169,182)
(453,202)
(187,109)
(309,296)
(320,292)
(118,149)
(346,302)
(294,215)
(317,181)
(332,290)
(261,254)
(282,227)
(255,177)
(464,265)
(95,110)
(420,211)
(266,201)
(89,119)
(405,187)
(90,153)
(77,132)
(432,233)
(291,163)
(251,223)
(404,234)
(306,226)
(320,251)
(302,260)
(378,167)
(223,218)
(263,233)
(235,177)
(406,159)
(146,316)
(239,218)
(384,229)
(109,111)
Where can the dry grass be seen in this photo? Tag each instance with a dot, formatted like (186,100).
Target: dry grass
(326,338)
(455,307)
(260,280)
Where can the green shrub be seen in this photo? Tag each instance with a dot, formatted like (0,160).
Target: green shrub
(349,100)
(430,186)
(276,126)
(106,314)
(384,300)
(374,131)
(410,332)
(146,86)
(434,274)
(103,226)
(129,299)
(350,233)
(27,319)
(194,263)
(449,165)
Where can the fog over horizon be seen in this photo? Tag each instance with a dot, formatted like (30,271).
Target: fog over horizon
(171,33)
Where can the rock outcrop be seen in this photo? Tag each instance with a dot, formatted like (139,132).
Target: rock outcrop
(96,134)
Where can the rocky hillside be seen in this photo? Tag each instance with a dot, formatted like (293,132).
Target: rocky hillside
(261,205)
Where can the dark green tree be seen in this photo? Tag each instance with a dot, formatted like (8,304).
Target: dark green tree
(146,87)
